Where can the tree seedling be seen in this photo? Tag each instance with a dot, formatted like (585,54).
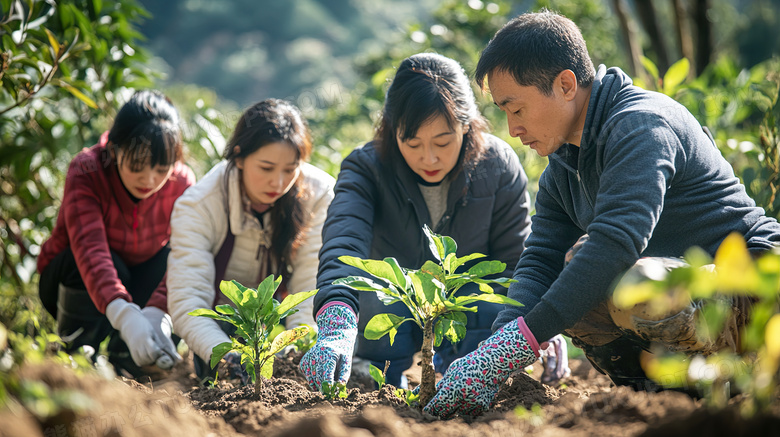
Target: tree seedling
(430,293)
(255,316)
(335,390)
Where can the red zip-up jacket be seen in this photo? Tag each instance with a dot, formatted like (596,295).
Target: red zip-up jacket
(98,214)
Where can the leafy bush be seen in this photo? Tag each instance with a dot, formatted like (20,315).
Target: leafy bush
(754,371)
(430,294)
(255,316)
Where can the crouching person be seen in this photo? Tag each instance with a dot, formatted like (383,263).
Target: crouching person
(258,212)
(630,168)
(102,270)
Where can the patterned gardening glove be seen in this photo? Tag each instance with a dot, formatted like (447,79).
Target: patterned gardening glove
(556,360)
(330,360)
(470,383)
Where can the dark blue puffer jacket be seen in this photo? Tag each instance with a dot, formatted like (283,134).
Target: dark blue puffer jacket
(379,212)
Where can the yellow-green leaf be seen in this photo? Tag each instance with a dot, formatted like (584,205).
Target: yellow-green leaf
(79,95)
(53,41)
(675,75)
(287,337)
(772,337)
(736,270)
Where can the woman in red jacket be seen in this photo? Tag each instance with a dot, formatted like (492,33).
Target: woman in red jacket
(103,268)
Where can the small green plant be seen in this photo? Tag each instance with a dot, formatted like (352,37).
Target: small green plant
(255,316)
(754,372)
(335,390)
(378,375)
(534,416)
(409,396)
(430,293)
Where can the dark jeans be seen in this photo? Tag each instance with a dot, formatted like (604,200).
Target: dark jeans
(79,322)
(408,341)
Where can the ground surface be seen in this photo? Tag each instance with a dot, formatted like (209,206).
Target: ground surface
(586,404)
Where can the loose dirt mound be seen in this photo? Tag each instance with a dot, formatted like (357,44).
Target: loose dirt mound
(113,409)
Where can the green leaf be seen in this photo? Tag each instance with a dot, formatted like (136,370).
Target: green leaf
(232,291)
(380,269)
(382,324)
(220,351)
(464,259)
(426,287)
(432,268)
(492,298)
(450,247)
(434,243)
(386,295)
(55,45)
(267,371)
(485,268)
(402,281)
(377,375)
(675,75)
(453,330)
(77,94)
(205,312)
(226,309)
(287,337)
(650,67)
(266,290)
(293,300)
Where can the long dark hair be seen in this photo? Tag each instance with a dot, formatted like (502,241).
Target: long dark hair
(425,86)
(266,122)
(146,130)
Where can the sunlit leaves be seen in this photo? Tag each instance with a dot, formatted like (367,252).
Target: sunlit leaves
(256,315)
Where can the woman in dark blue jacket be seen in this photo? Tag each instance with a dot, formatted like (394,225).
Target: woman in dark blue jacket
(432,163)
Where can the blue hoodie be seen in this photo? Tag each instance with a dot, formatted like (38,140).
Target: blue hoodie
(645,181)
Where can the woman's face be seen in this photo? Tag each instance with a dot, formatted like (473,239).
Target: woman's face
(269,172)
(433,151)
(142,183)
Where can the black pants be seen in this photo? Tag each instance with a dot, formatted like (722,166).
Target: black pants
(78,320)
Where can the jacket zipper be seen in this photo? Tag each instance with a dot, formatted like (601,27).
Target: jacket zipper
(584,190)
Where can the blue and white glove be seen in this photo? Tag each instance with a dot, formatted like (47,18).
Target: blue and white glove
(556,360)
(470,383)
(330,360)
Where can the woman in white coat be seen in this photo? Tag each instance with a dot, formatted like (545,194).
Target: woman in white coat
(258,212)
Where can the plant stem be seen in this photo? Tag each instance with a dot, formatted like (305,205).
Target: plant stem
(428,379)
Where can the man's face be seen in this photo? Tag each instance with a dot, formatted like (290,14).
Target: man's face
(542,122)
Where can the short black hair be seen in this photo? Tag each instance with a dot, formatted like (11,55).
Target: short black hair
(146,129)
(534,48)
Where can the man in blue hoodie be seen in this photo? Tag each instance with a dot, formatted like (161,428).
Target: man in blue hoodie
(631,170)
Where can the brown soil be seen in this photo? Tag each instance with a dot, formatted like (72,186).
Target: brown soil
(585,404)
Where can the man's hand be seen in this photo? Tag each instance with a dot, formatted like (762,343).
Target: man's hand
(330,359)
(470,384)
(555,360)
(163,327)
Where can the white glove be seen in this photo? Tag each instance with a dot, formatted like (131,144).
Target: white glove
(556,360)
(135,330)
(162,325)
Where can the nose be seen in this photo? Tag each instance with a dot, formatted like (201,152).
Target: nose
(515,128)
(429,155)
(277,180)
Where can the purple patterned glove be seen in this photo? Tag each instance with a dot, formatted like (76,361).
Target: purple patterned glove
(470,384)
(330,360)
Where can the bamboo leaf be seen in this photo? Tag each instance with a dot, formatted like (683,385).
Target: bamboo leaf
(55,45)
(78,94)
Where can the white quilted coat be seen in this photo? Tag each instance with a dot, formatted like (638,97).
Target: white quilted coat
(198,229)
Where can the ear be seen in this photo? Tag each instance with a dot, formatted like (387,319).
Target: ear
(566,82)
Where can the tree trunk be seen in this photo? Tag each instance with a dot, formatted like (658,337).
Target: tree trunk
(628,28)
(703,35)
(428,379)
(684,36)
(650,23)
